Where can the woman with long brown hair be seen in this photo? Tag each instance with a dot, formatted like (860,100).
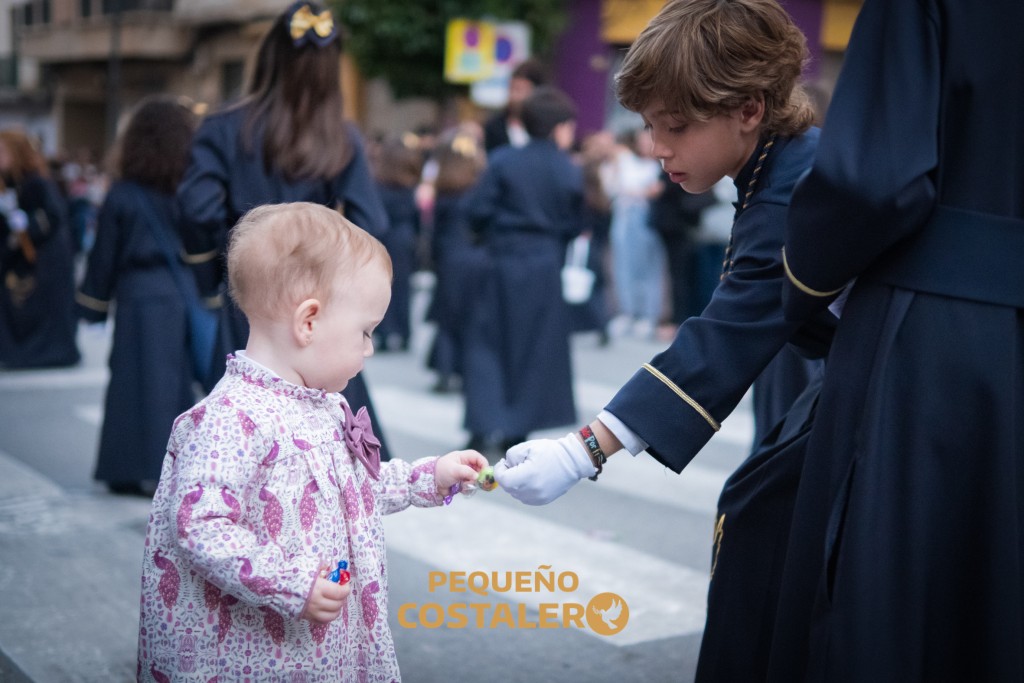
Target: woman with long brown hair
(286,141)
(38,324)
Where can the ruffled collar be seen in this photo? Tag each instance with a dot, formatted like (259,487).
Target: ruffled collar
(251,372)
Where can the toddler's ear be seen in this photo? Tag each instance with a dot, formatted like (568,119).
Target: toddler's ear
(304,321)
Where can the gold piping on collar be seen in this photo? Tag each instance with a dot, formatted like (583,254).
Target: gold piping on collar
(683,395)
(801,286)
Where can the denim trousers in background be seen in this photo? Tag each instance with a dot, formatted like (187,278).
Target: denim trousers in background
(637,261)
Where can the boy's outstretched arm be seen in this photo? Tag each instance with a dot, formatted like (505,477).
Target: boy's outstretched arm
(539,471)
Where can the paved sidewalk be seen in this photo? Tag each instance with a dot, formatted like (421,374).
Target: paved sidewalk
(87,549)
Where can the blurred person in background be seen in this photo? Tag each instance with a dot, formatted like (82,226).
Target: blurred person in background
(527,206)
(506,126)
(150,370)
(456,253)
(37,300)
(593,315)
(398,164)
(676,217)
(632,180)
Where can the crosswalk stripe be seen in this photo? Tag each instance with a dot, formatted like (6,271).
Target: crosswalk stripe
(90,413)
(42,380)
(665,599)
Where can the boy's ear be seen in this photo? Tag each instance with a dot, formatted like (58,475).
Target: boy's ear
(304,319)
(752,112)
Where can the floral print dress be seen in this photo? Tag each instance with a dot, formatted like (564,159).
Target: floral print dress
(266,483)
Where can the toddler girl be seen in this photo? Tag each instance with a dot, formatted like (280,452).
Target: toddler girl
(271,480)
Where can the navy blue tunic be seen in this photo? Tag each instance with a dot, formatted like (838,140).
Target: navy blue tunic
(150,373)
(906,558)
(225,179)
(518,378)
(677,402)
(458,262)
(37,304)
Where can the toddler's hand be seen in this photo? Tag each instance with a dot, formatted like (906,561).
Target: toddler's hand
(326,600)
(458,467)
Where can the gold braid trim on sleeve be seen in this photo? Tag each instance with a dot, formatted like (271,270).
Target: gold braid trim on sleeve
(683,395)
(92,303)
(801,286)
(195,259)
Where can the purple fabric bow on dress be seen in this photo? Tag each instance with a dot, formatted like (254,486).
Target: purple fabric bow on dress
(358,434)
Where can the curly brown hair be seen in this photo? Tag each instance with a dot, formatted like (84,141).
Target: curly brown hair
(154,148)
(702,58)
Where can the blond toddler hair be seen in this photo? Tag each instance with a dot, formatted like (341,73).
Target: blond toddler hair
(281,254)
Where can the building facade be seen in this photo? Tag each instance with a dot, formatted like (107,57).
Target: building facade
(91,60)
(70,69)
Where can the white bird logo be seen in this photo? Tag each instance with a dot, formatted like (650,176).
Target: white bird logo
(611,615)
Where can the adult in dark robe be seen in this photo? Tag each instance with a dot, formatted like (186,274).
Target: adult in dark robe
(37,288)
(458,257)
(151,380)
(399,163)
(286,141)
(593,314)
(527,206)
(906,558)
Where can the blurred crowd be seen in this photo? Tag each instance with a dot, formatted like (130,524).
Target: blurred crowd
(653,253)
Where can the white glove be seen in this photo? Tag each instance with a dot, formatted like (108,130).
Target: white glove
(538,471)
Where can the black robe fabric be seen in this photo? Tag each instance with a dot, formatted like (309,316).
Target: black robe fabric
(518,375)
(459,262)
(225,178)
(150,372)
(906,556)
(38,324)
(400,241)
